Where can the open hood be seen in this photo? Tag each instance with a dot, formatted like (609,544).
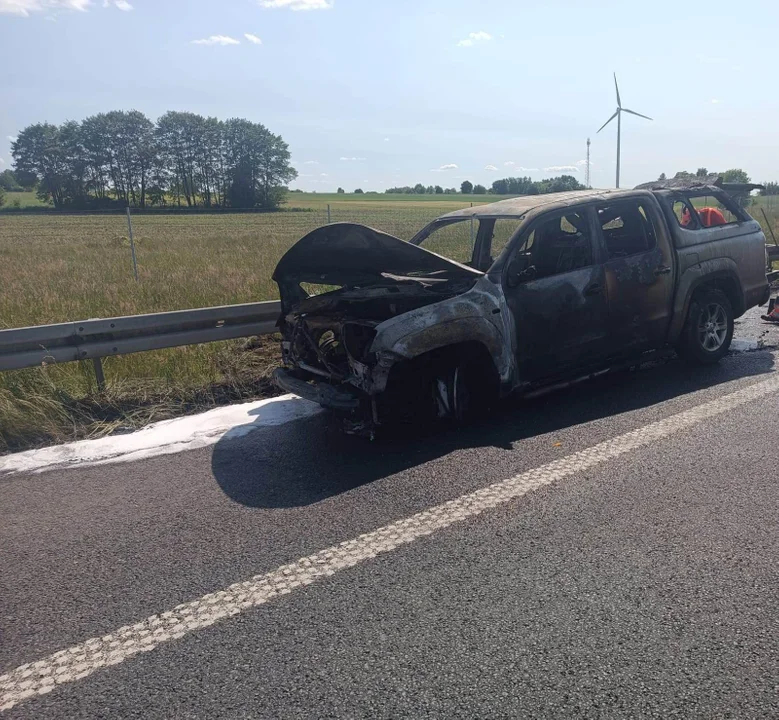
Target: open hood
(349,254)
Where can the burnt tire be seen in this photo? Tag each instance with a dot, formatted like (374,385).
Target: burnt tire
(463,388)
(708,330)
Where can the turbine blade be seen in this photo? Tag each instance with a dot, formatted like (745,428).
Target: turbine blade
(616,112)
(619,102)
(632,112)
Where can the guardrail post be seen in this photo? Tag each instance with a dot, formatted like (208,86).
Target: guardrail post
(99,374)
(328,213)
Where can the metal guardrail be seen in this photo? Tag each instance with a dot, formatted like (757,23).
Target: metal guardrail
(99,338)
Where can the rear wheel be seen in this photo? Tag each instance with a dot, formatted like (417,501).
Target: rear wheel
(708,332)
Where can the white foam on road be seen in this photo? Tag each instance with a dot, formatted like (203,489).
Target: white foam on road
(165,437)
(744,345)
(79,661)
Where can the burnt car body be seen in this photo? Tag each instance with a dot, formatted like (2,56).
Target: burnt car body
(535,290)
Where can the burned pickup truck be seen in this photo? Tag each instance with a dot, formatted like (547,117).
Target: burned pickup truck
(512,296)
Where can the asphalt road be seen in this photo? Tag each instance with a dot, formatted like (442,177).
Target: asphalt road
(624,565)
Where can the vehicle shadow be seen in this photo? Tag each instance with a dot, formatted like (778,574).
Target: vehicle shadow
(309,460)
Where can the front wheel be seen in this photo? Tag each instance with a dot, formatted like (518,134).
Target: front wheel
(708,331)
(464,388)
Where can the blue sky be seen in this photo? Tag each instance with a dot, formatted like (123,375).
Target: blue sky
(373,93)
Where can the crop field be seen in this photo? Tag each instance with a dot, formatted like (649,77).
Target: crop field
(56,268)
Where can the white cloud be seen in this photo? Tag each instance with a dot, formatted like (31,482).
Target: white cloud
(475,37)
(561,168)
(583,163)
(123,5)
(311,162)
(509,163)
(12,138)
(386,139)
(23,8)
(445,168)
(714,101)
(297,4)
(253,39)
(352,159)
(217,40)
(524,169)
(490,167)
(2,162)
(323,175)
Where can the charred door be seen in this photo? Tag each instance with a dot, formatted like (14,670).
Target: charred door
(555,289)
(639,273)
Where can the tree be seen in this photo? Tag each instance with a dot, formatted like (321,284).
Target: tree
(662,177)
(8,181)
(735,175)
(419,189)
(479,190)
(466,187)
(341,191)
(771,188)
(701,172)
(257,165)
(500,187)
(358,191)
(38,157)
(740,177)
(439,190)
(564,183)
(2,196)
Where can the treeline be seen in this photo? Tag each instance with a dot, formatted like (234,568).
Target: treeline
(505,186)
(122,158)
(527,186)
(420,189)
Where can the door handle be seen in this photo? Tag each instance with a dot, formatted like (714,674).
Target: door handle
(593,289)
(662,270)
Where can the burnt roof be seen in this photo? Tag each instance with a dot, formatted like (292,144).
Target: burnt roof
(689,182)
(695,183)
(521,205)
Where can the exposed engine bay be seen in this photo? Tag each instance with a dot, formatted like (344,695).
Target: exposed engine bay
(335,347)
(331,334)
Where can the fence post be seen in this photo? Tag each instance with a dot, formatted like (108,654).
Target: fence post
(99,374)
(132,245)
(328,213)
(472,240)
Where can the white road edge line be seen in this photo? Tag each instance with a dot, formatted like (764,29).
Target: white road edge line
(81,660)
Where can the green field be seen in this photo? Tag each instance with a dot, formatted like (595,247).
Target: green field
(57,268)
(22,200)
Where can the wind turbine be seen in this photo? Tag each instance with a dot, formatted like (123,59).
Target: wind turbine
(618,114)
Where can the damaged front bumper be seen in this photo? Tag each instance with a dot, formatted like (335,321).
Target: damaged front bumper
(341,398)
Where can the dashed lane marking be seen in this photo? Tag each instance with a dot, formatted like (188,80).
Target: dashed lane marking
(79,661)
